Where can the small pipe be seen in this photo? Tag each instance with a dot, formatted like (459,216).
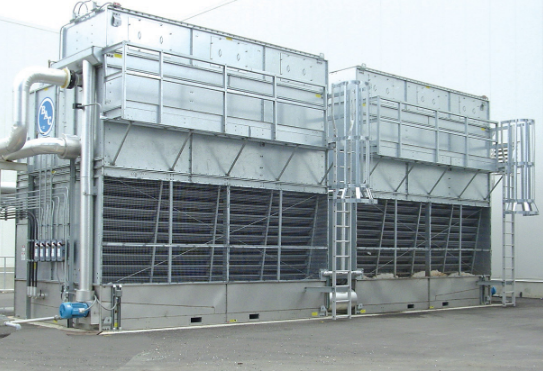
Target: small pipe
(17,325)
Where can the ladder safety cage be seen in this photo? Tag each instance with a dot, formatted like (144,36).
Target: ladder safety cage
(349,185)
(515,154)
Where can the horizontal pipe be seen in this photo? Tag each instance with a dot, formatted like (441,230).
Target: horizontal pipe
(66,147)
(17,325)
(21,92)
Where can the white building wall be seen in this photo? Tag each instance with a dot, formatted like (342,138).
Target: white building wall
(21,45)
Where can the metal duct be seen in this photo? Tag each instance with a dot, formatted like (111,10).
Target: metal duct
(66,147)
(21,90)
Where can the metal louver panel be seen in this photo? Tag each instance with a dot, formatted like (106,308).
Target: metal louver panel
(393,239)
(158,231)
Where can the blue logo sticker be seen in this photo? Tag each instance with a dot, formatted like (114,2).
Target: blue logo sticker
(46,116)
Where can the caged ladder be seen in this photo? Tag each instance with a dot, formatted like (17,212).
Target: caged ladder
(349,185)
(515,153)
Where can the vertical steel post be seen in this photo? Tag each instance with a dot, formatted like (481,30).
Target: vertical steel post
(279,233)
(460,239)
(227,233)
(395,237)
(170,234)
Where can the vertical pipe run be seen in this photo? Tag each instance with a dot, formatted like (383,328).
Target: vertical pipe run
(85,292)
(170,234)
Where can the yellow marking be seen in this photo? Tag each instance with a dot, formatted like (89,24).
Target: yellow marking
(318,95)
(427,87)
(363,104)
(431,307)
(229,39)
(362,311)
(45,89)
(233,320)
(314,314)
(117,55)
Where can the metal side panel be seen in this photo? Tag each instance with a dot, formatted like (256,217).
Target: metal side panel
(215,156)
(421,182)
(43,307)
(393,295)
(272,300)
(22,249)
(454,292)
(139,151)
(423,94)
(159,306)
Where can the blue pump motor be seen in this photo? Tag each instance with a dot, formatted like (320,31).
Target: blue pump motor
(73,310)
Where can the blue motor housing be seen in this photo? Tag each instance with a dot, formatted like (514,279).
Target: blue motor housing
(73,310)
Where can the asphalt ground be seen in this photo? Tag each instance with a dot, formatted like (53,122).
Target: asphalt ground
(490,338)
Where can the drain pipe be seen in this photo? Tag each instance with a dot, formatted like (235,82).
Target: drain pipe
(17,325)
(21,91)
(85,292)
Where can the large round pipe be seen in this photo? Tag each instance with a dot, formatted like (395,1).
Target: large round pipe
(85,293)
(66,147)
(21,91)
(8,188)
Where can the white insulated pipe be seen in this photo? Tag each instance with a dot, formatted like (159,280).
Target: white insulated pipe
(21,92)
(8,188)
(66,147)
(85,293)
(17,323)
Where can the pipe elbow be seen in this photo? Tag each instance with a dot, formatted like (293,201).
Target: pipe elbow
(21,90)
(72,147)
(11,324)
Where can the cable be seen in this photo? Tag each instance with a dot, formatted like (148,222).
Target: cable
(209,10)
(102,305)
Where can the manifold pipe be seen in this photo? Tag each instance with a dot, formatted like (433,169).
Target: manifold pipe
(21,91)
(85,293)
(66,147)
